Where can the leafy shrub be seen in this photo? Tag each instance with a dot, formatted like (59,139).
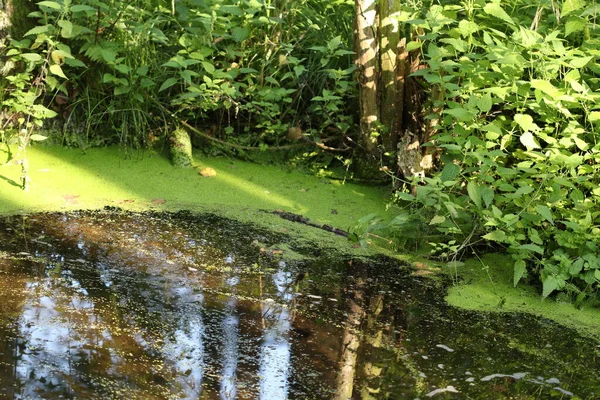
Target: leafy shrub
(517,138)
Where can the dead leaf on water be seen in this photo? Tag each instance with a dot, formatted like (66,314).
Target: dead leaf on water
(158,201)
(122,201)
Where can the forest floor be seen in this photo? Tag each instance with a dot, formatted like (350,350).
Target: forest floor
(70,179)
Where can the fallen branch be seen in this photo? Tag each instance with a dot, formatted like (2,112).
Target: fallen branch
(305,142)
(303,220)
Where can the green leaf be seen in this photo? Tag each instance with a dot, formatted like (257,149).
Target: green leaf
(438,219)
(31,57)
(208,67)
(519,271)
(545,212)
(571,5)
(484,103)
(487,195)
(496,236)
(495,10)
(576,266)
(50,4)
(580,62)
(594,116)
(474,193)
(240,33)
(121,89)
(552,283)
(529,141)
(526,123)
(574,25)
(81,7)
(532,247)
(38,29)
(449,172)
(460,114)
(546,87)
(57,70)
(67,28)
(167,84)
(38,138)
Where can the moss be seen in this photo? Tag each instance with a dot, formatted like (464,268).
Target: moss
(181,148)
(68,179)
(486,285)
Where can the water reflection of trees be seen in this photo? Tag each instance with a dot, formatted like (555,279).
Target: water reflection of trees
(126,308)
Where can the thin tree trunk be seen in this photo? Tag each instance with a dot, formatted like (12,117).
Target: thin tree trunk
(391,100)
(367,53)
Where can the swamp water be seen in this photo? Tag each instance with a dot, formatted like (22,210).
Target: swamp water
(114,305)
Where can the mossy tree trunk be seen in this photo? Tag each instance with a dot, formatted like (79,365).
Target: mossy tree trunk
(14,20)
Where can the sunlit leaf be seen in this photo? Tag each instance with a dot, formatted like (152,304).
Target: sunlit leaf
(57,70)
(519,271)
(494,9)
(474,192)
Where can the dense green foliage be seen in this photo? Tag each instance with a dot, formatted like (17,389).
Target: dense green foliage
(518,139)
(120,71)
(516,142)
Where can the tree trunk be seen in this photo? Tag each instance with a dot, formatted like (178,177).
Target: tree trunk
(391,92)
(14,20)
(391,105)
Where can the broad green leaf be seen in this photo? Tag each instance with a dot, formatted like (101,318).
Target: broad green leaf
(546,87)
(484,103)
(438,219)
(487,195)
(529,141)
(32,57)
(413,45)
(81,7)
(526,123)
(57,70)
(234,10)
(576,266)
(552,283)
(569,161)
(460,114)
(574,25)
(545,212)
(532,247)
(571,5)
(73,62)
(474,192)
(38,138)
(208,67)
(519,270)
(121,89)
(67,28)
(50,4)
(38,29)
(167,84)
(580,62)
(495,10)
(449,172)
(108,55)
(466,27)
(240,33)
(496,236)
(594,116)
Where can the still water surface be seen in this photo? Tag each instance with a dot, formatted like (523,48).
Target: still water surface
(112,305)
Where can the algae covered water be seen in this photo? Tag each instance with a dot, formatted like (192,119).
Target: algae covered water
(114,305)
